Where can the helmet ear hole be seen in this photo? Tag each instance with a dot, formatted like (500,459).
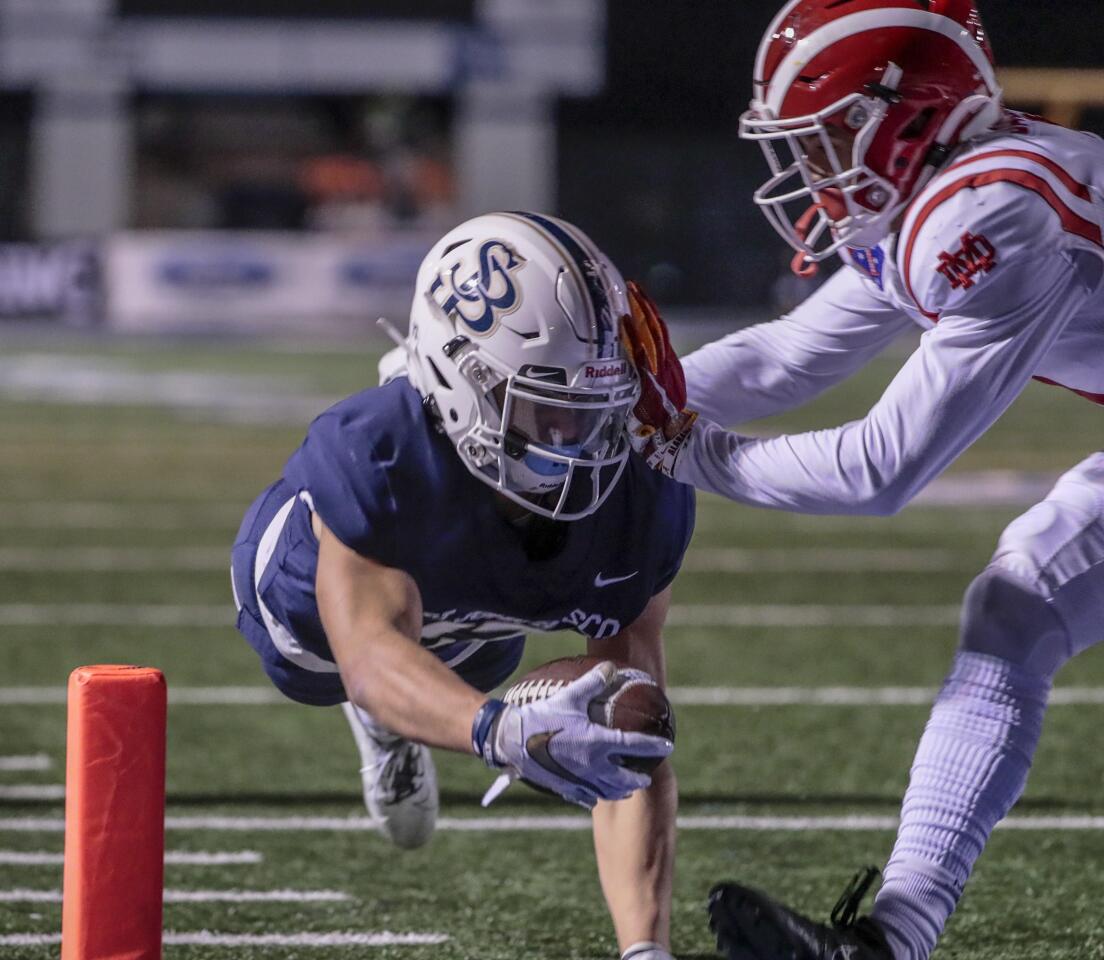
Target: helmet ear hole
(437,373)
(919,124)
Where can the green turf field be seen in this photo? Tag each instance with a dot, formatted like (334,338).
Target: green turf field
(117,509)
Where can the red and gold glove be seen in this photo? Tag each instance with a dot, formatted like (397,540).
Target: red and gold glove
(659,426)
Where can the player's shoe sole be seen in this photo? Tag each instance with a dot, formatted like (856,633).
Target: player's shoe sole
(400,784)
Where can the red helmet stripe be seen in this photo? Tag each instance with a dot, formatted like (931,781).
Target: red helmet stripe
(807,48)
(760,78)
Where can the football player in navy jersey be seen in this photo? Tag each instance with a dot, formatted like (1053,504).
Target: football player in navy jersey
(486,489)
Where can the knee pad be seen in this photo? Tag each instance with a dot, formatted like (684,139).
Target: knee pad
(1009,617)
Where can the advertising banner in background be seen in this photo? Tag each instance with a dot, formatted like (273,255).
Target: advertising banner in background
(198,281)
(50,282)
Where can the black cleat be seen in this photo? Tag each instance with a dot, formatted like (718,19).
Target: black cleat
(749,925)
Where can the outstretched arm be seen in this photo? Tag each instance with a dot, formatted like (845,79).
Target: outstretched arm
(634,839)
(965,374)
(372,615)
(776,366)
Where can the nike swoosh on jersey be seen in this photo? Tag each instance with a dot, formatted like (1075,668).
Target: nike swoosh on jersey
(600,581)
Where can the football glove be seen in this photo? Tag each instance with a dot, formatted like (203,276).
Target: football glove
(553,744)
(646,950)
(660,427)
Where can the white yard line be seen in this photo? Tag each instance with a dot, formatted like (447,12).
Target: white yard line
(112,559)
(116,615)
(812,615)
(178,696)
(235,696)
(256,896)
(32,791)
(200,858)
(31,858)
(21,895)
(846,696)
(223,397)
(821,560)
(185,858)
(539,824)
(104,515)
(681,615)
(32,696)
(681,696)
(992,488)
(34,761)
(698,559)
(205,938)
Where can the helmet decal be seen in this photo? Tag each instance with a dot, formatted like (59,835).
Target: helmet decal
(605,323)
(488,294)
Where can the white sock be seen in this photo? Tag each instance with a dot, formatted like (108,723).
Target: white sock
(970,768)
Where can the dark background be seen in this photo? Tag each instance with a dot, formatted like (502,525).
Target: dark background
(652,167)
(392,9)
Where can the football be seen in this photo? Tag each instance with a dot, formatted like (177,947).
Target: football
(632,701)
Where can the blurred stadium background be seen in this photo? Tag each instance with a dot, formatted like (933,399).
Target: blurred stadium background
(200,165)
(204,205)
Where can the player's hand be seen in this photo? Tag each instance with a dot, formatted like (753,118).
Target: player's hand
(646,950)
(553,744)
(660,426)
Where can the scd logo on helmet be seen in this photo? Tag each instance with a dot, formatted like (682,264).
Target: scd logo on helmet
(485,296)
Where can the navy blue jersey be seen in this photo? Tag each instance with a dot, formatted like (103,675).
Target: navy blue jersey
(392,488)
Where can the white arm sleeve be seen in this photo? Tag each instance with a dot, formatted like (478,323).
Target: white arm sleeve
(965,373)
(779,365)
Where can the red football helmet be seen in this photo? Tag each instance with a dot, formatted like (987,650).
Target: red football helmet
(898,83)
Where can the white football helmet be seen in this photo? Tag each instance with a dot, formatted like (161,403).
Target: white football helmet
(514,342)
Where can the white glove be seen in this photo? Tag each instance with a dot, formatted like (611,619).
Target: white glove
(553,744)
(646,950)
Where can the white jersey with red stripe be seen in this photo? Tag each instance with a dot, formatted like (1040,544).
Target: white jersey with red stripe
(1031,187)
(1000,258)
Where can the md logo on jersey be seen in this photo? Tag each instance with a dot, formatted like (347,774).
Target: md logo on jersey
(977,255)
(488,294)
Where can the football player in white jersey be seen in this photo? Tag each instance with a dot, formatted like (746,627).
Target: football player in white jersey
(888,143)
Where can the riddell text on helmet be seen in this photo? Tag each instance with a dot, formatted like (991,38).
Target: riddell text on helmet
(609,370)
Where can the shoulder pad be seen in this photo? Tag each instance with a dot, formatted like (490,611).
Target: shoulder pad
(1004,201)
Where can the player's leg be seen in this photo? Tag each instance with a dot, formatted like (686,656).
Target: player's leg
(1038,603)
